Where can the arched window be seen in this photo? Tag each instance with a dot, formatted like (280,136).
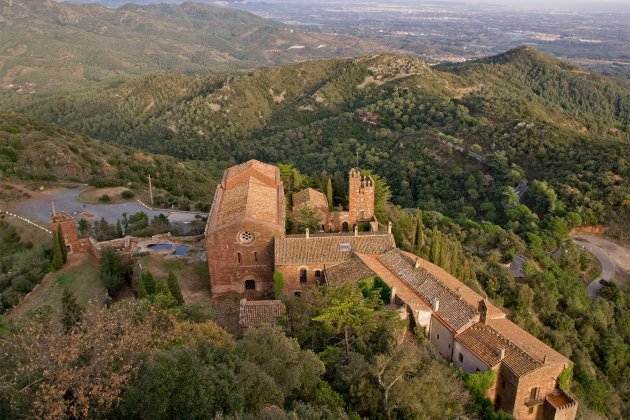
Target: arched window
(303,275)
(345,227)
(250,284)
(255,256)
(239,257)
(318,274)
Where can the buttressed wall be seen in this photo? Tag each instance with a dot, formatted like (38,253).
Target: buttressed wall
(247,212)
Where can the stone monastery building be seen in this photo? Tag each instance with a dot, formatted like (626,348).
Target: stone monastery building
(247,243)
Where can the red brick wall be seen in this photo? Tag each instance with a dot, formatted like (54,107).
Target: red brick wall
(69,231)
(227,274)
(545,378)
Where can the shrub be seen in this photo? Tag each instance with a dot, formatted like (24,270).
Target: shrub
(278,284)
(127,194)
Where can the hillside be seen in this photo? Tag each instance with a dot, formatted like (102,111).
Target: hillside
(47,46)
(522,113)
(34,151)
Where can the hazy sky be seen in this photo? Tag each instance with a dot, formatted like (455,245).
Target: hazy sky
(593,5)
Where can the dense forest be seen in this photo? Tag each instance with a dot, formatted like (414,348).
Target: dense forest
(518,116)
(476,164)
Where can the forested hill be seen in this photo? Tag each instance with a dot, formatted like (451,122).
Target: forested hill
(522,114)
(47,46)
(34,151)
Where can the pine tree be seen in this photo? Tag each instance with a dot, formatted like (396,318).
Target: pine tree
(149,283)
(57,253)
(70,310)
(173,287)
(329,194)
(62,244)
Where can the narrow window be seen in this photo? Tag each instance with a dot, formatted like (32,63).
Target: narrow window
(438,336)
(239,257)
(303,275)
(255,256)
(250,285)
(461,358)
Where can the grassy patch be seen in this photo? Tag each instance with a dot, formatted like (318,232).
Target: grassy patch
(82,279)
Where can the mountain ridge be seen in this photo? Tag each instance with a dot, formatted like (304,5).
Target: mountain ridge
(50,46)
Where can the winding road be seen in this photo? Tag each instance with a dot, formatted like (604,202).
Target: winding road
(607,253)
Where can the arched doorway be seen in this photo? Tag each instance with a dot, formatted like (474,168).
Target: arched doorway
(345,227)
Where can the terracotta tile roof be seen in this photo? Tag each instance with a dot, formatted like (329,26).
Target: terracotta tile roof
(349,271)
(527,342)
(486,343)
(454,310)
(560,399)
(254,313)
(310,197)
(403,290)
(253,190)
(329,248)
(455,285)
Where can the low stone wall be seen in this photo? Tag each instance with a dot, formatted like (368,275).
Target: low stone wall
(25,220)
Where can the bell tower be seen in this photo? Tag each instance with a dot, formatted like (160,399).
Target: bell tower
(360,197)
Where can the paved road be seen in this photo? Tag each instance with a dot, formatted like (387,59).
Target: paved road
(609,268)
(67,200)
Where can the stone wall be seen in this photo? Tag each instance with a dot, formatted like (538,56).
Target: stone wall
(232,261)
(360,197)
(291,275)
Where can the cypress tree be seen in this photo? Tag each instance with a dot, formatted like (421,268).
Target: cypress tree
(434,253)
(70,310)
(149,283)
(329,194)
(119,231)
(419,239)
(173,287)
(57,253)
(445,253)
(62,244)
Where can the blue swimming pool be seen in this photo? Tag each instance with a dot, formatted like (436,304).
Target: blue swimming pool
(179,250)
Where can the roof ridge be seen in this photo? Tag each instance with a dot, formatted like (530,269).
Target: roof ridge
(503,338)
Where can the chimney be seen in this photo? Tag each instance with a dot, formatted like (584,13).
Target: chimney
(436,305)
(356,230)
(483,311)
(308,233)
(501,353)
(389,227)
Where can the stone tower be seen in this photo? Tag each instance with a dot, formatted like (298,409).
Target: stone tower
(69,232)
(360,197)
